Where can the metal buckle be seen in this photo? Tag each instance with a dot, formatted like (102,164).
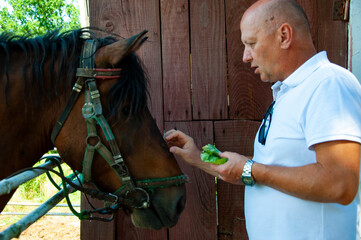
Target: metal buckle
(135,192)
(88,110)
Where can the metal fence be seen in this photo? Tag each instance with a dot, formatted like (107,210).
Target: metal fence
(8,184)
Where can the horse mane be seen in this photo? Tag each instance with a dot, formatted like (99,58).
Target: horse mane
(63,50)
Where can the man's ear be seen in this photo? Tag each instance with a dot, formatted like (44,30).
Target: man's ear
(285,34)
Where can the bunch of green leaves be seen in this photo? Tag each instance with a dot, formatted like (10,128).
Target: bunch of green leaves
(211,154)
(36,17)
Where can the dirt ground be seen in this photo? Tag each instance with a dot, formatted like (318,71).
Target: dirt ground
(52,228)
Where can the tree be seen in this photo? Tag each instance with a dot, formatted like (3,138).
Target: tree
(39,16)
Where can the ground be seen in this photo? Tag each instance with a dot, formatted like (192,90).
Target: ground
(50,228)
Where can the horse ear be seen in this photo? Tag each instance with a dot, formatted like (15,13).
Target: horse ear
(112,54)
(134,43)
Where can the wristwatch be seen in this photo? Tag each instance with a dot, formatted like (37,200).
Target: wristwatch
(246,177)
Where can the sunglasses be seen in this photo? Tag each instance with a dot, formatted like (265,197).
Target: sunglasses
(266,123)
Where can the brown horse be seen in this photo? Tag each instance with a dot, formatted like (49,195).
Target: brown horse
(36,77)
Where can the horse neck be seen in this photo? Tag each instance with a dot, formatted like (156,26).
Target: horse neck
(26,123)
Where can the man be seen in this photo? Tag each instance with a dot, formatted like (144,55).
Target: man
(303,179)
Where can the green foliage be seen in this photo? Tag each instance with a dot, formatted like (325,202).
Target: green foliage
(210,154)
(37,17)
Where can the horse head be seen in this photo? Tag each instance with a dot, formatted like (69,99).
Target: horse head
(104,128)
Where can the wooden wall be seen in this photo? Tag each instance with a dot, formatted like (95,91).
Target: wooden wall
(199,85)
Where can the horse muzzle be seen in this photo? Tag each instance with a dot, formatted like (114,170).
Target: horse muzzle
(164,210)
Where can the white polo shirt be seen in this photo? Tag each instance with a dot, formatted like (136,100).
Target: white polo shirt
(319,102)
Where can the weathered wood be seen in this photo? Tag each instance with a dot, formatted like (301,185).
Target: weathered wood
(208,47)
(332,35)
(126,231)
(235,136)
(176,60)
(249,97)
(96,230)
(310,7)
(127,18)
(199,219)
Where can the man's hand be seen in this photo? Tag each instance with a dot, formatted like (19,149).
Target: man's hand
(231,171)
(183,146)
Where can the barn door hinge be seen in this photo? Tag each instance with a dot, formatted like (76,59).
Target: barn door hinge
(341,10)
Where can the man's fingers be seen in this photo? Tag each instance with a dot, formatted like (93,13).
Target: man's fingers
(171,134)
(223,155)
(175,150)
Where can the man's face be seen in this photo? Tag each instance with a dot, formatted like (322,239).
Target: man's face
(260,49)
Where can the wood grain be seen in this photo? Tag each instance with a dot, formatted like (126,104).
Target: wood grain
(235,136)
(96,230)
(332,35)
(310,8)
(208,48)
(176,60)
(249,97)
(127,18)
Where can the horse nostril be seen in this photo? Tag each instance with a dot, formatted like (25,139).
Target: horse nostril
(181,204)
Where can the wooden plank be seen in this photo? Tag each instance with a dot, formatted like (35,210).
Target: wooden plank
(176,60)
(310,8)
(249,97)
(208,47)
(95,230)
(235,136)
(332,35)
(199,220)
(127,18)
(125,232)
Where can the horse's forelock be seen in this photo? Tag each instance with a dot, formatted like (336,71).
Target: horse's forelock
(132,88)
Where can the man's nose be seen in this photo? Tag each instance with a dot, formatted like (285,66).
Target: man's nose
(247,57)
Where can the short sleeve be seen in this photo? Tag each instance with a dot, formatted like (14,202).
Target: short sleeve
(334,110)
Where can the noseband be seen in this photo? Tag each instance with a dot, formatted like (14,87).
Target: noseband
(132,193)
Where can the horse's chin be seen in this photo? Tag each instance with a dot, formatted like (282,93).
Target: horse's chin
(147,218)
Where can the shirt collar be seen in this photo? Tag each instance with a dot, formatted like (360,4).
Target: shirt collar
(298,76)
(306,69)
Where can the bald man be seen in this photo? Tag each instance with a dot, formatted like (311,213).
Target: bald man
(302,181)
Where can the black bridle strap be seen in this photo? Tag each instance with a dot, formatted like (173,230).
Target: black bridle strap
(86,62)
(64,115)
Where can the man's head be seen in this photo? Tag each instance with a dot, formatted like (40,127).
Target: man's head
(277,38)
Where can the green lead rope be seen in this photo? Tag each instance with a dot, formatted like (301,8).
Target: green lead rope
(83,215)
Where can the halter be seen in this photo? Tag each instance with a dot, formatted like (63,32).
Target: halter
(132,193)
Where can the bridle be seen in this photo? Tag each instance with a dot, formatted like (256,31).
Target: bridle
(132,193)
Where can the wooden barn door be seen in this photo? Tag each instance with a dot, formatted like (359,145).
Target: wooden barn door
(198,84)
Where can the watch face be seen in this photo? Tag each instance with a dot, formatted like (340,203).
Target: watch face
(247,181)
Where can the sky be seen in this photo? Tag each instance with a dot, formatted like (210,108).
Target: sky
(4,4)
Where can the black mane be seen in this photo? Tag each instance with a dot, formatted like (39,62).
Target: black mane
(62,51)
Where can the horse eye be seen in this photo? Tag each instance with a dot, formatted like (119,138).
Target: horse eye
(126,110)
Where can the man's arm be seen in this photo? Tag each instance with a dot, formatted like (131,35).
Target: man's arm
(334,178)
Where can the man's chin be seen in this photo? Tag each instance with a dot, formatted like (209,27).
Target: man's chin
(264,79)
